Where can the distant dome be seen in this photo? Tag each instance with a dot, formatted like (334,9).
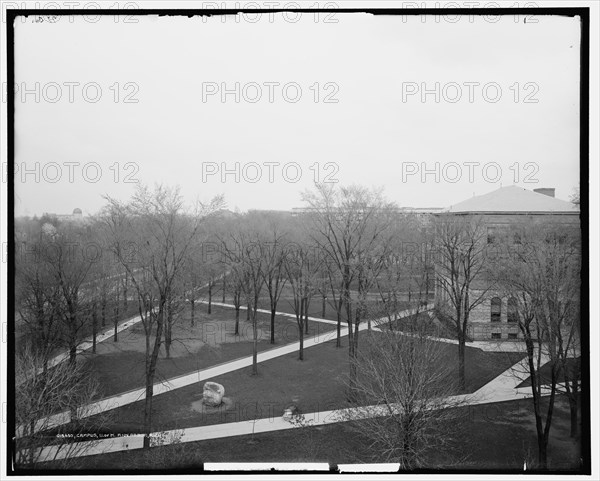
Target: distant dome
(77,211)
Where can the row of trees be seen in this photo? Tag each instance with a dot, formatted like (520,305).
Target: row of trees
(351,249)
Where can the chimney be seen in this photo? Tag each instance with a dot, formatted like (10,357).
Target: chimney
(549,191)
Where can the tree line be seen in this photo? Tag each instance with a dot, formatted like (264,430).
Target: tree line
(347,251)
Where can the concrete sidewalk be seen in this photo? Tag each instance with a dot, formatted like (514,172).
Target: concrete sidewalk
(171,384)
(85,345)
(485,395)
(500,389)
(103,336)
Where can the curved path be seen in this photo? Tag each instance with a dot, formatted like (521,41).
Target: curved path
(502,388)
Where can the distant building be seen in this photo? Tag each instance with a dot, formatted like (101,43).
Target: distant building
(419,211)
(76,216)
(502,211)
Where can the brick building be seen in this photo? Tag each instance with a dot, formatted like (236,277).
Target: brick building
(501,212)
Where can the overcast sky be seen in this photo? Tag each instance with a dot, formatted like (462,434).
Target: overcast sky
(345,105)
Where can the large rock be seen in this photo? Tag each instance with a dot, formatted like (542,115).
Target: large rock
(213,394)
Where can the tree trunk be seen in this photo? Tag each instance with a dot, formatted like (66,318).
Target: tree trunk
(103,309)
(350,330)
(255,343)
(193,309)
(116,316)
(116,324)
(148,410)
(461,363)
(300,320)
(301,339)
(324,306)
(338,341)
(542,453)
(210,286)
(125,292)
(248,312)
(574,411)
(306,316)
(168,330)
(572,388)
(237,320)
(224,288)
(151,359)
(273,310)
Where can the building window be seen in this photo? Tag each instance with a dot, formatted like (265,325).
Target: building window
(512,335)
(496,335)
(496,309)
(512,310)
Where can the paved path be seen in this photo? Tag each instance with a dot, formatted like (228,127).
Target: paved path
(84,346)
(502,388)
(177,382)
(87,344)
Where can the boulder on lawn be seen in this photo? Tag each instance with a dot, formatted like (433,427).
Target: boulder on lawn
(212,394)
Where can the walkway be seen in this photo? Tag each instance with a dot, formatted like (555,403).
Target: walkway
(87,344)
(177,382)
(502,388)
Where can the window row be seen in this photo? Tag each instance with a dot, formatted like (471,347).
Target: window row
(511,335)
(512,312)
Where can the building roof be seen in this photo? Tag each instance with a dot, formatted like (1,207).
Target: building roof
(513,199)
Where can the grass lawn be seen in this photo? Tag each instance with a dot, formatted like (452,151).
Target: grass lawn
(119,366)
(545,373)
(432,327)
(85,332)
(285,302)
(497,436)
(318,381)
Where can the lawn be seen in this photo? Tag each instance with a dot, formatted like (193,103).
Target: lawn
(498,436)
(285,303)
(573,366)
(85,332)
(318,381)
(429,326)
(119,366)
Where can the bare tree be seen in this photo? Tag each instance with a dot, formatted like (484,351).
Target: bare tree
(42,393)
(461,273)
(348,222)
(542,277)
(66,258)
(241,248)
(38,302)
(301,271)
(157,220)
(402,397)
(273,251)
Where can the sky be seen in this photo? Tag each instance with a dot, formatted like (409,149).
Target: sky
(257,109)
